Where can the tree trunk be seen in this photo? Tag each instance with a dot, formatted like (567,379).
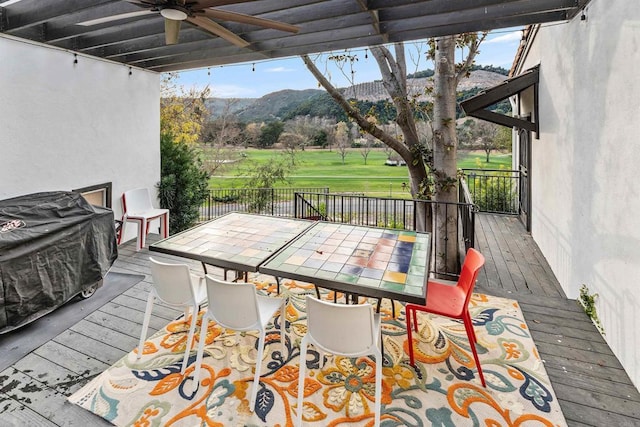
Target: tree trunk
(394,74)
(445,155)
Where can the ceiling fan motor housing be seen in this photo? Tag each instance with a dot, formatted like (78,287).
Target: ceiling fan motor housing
(175,12)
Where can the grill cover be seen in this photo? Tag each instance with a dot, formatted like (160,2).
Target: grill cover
(53,245)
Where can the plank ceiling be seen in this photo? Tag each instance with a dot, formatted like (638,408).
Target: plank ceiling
(325,25)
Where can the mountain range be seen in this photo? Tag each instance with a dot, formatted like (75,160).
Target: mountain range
(273,105)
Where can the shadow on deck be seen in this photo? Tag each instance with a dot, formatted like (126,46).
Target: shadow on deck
(590,384)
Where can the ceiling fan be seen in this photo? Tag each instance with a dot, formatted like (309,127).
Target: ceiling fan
(200,13)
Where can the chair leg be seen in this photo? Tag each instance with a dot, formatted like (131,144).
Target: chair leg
(408,311)
(192,330)
(164,225)
(122,229)
(471,335)
(378,393)
(256,377)
(144,229)
(283,324)
(301,375)
(145,324)
(203,337)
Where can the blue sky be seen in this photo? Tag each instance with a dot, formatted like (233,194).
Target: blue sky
(253,80)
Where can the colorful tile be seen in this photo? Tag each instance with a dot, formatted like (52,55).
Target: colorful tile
(396,277)
(372,273)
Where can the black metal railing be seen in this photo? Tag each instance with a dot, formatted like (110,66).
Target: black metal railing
(494,190)
(404,214)
(467,216)
(267,201)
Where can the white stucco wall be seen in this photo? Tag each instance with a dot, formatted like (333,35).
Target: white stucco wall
(586,164)
(65,126)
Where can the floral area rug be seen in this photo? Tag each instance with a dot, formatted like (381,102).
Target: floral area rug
(442,390)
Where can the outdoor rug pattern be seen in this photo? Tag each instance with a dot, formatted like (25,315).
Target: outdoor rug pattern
(443,390)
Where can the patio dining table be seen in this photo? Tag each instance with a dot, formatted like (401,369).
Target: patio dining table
(356,260)
(235,241)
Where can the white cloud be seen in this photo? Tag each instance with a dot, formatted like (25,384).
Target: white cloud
(514,36)
(279,70)
(231,91)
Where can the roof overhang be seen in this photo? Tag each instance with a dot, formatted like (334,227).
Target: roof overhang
(325,25)
(476,105)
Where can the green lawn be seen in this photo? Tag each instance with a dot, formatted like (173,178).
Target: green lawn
(323,168)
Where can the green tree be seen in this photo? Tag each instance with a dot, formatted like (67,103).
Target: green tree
(320,139)
(270,133)
(432,169)
(264,176)
(183,113)
(183,184)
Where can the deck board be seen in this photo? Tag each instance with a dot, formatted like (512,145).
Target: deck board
(589,382)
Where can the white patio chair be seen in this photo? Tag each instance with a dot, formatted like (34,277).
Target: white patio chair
(237,306)
(137,207)
(174,285)
(347,330)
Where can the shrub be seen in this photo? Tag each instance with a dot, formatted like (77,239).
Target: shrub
(183,185)
(494,196)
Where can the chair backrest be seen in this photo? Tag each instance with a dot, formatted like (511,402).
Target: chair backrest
(340,328)
(137,200)
(473,262)
(233,305)
(172,282)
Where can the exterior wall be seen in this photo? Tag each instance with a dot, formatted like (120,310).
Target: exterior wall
(585,186)
(65,126)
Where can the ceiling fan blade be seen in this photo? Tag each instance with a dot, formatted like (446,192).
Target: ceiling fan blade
(218,30)
(145,3)
(203,4)
(248,19)
(171,31)
(114,18)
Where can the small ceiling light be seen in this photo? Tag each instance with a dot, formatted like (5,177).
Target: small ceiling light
(174,14)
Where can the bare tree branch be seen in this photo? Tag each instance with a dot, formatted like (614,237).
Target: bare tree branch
(352,112)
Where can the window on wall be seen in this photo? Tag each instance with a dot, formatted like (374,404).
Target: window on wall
(97,195)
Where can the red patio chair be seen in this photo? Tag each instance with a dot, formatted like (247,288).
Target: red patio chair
(451,301)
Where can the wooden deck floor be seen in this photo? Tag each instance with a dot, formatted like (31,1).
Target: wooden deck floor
(592,387)
(590,383)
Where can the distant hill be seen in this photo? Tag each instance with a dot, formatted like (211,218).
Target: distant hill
(217,106)
(286,103)
(375,91)
(267,107)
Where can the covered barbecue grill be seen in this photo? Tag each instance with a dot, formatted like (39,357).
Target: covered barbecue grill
(53,246)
